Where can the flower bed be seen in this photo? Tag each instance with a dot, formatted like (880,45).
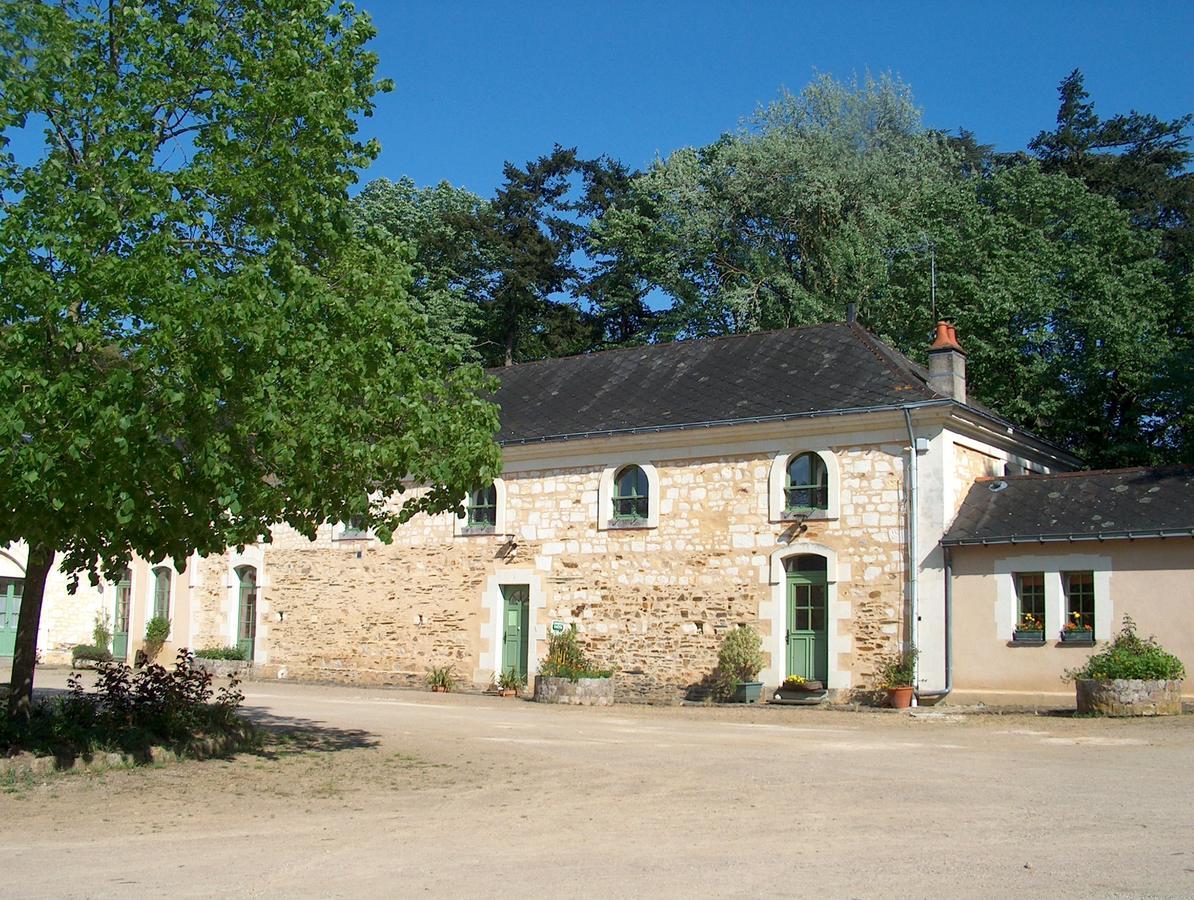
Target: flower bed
(1134,676)
(1129,697)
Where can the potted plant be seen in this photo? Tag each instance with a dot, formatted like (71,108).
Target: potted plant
(157,630)
(1077,630)
(1133,676)
(1029,630)
(567,676)
(510,683)
(738,665)
(897,675)
(441,679)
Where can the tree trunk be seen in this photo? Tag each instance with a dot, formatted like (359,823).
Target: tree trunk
(24,657)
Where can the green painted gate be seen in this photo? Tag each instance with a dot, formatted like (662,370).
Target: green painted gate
(10,611)
(516,627)
(808,644)
(246,619)
(120,616)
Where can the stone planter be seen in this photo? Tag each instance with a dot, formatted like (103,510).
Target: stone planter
(582,692)
(747,692)
(224,668)
(1129,697)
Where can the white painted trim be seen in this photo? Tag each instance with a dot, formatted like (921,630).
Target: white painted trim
(1006,607)
(605,494)
(10,566)
(777,481)
(459,522)
(491,626)
(775,611)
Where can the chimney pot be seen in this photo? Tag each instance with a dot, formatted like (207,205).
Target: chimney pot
(947,363)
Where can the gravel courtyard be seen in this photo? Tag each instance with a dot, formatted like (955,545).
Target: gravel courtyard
(397,794)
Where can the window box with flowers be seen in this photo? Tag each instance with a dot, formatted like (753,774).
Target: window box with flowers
(1029,630)
(1077,630)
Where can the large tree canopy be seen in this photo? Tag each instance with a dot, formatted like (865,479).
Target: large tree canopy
(196,344)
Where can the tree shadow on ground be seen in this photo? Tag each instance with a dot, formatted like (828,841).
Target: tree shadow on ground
(288,735)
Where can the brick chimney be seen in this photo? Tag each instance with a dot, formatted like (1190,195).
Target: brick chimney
(947,364)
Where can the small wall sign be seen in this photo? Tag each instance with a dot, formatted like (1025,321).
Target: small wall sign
(557,627)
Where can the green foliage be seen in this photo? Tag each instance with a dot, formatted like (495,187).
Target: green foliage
(231,651)
(510,680)
(566,658)
(128,712)
(101,634)
(89,653)
(898,669)
(1130,656)
(441,677)
(740,659)
(198,344)
(157,630)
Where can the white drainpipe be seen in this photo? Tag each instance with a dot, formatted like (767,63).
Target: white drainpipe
(913,560)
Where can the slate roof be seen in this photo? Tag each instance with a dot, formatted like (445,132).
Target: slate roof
(798,371)
(1113,503)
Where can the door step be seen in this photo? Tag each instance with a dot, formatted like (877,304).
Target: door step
(799,698)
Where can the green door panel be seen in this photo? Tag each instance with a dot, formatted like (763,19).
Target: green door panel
(808,644)
(515,627)
(120,617)
(246,617)
(10,612)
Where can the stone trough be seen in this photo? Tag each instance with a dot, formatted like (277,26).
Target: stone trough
(582,692)
(1129,697)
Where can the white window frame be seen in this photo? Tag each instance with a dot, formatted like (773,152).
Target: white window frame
(1007,601)
(460,523)
(777,483)
(605,497)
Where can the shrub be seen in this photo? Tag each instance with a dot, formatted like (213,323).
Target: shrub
(740,660)
(81,652)
(101,634)
(231,651)
(566,659)
(511,680)
(1130,656)
(899,669)
(442,677)
(157,630)
(128,711)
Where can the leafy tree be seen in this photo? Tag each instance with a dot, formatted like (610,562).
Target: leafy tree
(438,230)
(789,220)
(195,346)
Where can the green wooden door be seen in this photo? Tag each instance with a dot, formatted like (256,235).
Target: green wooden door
(246,619)
(808,646)
(120,616)
(10,611)
(516,628)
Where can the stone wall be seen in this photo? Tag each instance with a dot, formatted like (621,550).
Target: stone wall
(652,603)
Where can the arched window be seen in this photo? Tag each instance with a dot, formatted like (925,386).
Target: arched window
(161,593)
(482,508)
(630,496)
(806,488)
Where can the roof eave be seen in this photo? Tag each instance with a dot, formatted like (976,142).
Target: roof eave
(1130,535)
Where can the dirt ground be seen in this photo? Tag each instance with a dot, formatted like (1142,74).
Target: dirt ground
(367,793)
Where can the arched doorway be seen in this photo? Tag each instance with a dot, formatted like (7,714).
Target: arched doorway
(807,617)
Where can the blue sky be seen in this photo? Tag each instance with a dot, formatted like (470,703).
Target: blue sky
(478,83)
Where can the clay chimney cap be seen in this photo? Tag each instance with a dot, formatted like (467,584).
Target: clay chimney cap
(946,338)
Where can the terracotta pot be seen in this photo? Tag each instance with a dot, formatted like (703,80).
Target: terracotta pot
(900,697)
(509,692)
(439,689)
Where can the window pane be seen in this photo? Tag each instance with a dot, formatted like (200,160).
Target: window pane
(1031,589)
(161,593)
(1080,599)
(630,494)
(808,483)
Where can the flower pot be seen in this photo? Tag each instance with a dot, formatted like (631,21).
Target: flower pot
(439,689)
(811,687)
(900,697)
(1028,637)
(509,692)
(1077,637)
(1129,697)
(747,692)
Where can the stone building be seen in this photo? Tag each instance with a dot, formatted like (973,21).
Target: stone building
(799,481)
